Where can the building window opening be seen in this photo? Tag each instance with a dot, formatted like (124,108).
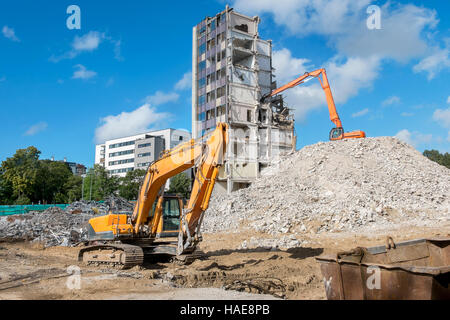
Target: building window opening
(242,27)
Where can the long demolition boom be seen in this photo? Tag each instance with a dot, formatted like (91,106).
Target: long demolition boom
(336,133)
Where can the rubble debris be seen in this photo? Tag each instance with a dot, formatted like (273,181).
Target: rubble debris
(53,227)
(337,186)
(57,227)
(284,242)
(111,203)
(259,285)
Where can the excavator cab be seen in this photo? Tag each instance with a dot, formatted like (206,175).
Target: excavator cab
(171,208)
(165,220)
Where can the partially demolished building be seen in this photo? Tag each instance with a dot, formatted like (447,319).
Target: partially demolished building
(232,70)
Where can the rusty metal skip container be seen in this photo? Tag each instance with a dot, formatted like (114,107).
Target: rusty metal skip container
(411,270)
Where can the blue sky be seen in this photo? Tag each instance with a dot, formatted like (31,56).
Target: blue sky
(127,69)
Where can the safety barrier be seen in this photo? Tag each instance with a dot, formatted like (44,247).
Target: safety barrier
(21,209)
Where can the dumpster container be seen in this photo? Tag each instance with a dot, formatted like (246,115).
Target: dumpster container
(411,270)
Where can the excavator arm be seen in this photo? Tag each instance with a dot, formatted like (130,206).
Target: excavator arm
(121,240)
(206,155)
(336,133)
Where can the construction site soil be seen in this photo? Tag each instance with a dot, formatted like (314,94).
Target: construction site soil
(31,271)
(260,242)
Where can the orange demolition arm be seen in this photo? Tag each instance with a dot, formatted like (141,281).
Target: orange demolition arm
(337,133)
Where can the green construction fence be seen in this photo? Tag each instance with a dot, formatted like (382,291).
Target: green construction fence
(21,209)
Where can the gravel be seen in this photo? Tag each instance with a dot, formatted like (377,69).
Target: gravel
(351,185)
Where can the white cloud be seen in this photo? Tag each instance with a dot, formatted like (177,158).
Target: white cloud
(10,34)
(144,118)
(391,100)
(349,76)
(343,23)
(304,17)
(448,100)
(442,117)
(83,73)
(405,136)
(407,114)
(36,128)
(360,113)
(346,77)
(301,98)
(287,67)
(161,98)
(88,42)
(185,82)
(434,63)
(415,138)
(394,40)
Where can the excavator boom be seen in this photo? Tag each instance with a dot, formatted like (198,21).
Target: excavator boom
(336,133)
(138,233)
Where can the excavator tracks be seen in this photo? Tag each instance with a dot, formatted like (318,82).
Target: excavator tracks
(122,256)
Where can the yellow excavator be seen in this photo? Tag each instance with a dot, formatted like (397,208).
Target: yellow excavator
(160,224)
(336,133)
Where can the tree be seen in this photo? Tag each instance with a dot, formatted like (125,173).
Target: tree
(180,184)
(24,179)
(20,171)
(99,184)
(6,190)
(51,180)
(73,188)
(436,156)
(131,183)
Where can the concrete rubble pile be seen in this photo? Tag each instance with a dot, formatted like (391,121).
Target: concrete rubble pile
(353,185)
(53,227)
(57,227)
(111,203)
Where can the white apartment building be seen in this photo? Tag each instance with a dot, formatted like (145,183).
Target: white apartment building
(119,156)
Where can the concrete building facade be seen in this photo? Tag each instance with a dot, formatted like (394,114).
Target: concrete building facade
(122,155)
(232,71)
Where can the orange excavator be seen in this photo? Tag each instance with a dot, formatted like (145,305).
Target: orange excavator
(336,133)
(160,224)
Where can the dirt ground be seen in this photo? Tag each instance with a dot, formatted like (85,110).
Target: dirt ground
(30,271)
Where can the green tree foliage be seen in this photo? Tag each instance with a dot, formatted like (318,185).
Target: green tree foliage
(73,188)
(131,183)
(6,190)
(21,170)
(436,156)
(24,179)
(99,184)
(50,181)
(180,184)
